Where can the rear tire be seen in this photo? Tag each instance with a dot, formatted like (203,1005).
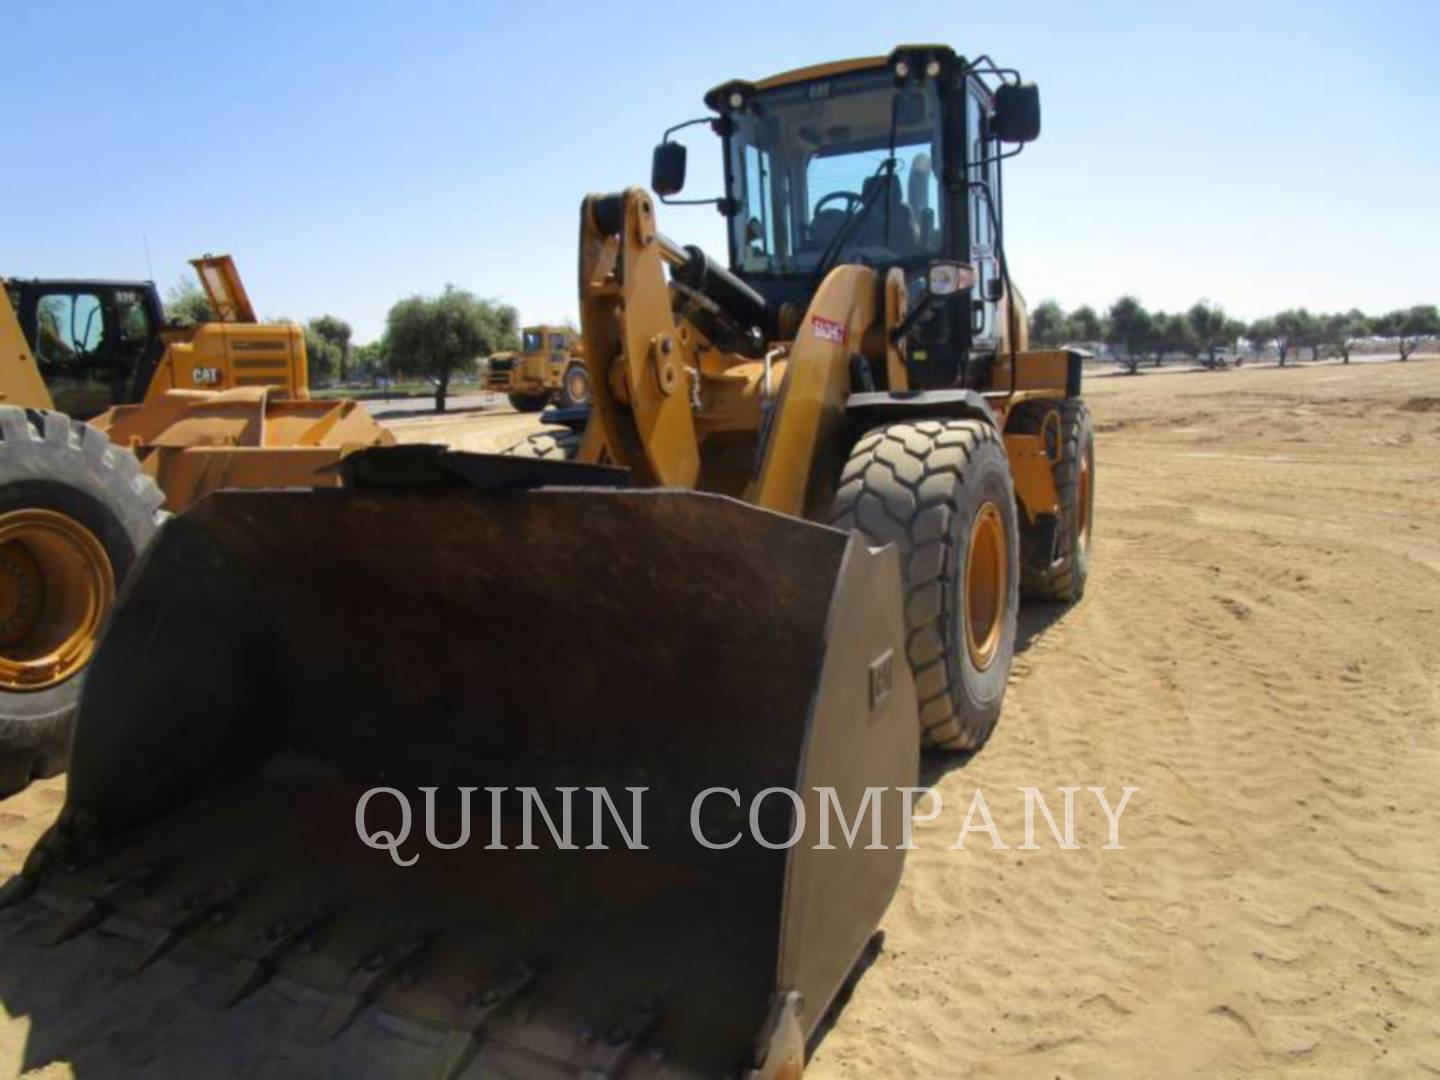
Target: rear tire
(528,403)
(53,464)
(1056,563)
(940,490)
(556,444)
(575,387)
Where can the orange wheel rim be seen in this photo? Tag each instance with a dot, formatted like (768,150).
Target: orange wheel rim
(56,587)
(987,585)
(579,386)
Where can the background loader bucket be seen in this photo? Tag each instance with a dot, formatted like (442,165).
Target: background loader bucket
(280,653)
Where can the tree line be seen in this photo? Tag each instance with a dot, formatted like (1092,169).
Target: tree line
(433,337)
(438,337)
(1205,332)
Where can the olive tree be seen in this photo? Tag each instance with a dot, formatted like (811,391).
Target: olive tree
(1085,326)
(335,332)
(1410,326)
(1129,328)
(187,304)
(1344,329)
(438,336)
(1047,325)
(1210,326)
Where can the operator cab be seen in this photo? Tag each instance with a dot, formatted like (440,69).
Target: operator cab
(887,161)
(558,341)
(94,341)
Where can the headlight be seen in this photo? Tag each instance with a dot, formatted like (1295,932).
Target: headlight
(947,278)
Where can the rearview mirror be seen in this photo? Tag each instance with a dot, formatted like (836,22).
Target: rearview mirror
(1017,113)
(667,169)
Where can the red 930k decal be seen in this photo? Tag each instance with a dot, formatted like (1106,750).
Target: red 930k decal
(828,330)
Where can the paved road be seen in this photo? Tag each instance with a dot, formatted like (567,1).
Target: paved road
(482,422)
(401,408)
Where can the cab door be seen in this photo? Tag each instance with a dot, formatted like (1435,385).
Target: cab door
(983,172)
(138,345)
(75,339)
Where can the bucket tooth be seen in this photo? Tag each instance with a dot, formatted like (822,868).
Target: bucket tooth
(102,902)
(373,972)
(613,1048)
(209,906)
(464,1039)
(275,942)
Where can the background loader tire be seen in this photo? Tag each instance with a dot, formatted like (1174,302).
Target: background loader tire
(51,463)
(575,387)
(940,490)
(1059,573)
(558,444)
(528,402)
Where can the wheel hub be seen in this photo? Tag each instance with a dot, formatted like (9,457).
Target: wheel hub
(579,387)
(987,580)
(56,587)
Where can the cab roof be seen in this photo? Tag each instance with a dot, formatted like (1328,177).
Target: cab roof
(715,99)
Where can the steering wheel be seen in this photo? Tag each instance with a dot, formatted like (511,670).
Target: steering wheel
(852,200)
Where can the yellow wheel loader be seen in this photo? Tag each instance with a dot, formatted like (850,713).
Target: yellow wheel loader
(109,418)
(789,544)
(548,369)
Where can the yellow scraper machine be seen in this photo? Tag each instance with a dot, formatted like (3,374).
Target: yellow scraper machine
(786,553)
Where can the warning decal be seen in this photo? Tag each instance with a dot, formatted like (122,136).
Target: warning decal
(828,330)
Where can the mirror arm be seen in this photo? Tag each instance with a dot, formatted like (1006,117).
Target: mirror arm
(724,205)
(921,306)
(684,124)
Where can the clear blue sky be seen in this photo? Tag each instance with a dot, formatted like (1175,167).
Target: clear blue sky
(1260,154)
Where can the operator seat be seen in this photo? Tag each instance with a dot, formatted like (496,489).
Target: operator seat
(904,236)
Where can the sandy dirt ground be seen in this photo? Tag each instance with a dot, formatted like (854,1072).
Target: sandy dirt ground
(1258,654)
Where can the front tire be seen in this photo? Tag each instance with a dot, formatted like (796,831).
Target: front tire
(75,513)
(940,490)
(528,403)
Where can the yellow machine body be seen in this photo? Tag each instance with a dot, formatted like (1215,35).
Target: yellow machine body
(236,349)
(227,404)
(537,370)
(678,410)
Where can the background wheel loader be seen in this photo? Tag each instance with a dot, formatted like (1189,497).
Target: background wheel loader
(861,363)
(108,418)
(548,369)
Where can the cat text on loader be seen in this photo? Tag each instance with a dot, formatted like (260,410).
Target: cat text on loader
(108,418)
(745,682)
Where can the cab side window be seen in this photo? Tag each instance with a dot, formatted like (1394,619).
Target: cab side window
(983,253)
(134,322)
(76,353)
(70,330)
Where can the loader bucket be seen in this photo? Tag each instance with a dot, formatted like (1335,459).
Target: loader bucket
(279,654)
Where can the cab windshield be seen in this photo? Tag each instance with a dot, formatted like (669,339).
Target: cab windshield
(812,163)
(532,341)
